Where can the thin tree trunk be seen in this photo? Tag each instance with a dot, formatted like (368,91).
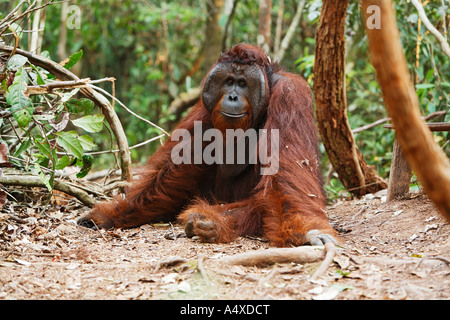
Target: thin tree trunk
(213,34)
(41,27)
(265,22)
(62,51)
(279,29)
(35,30)
(425,157)
(278,56)
(331,103)
(227,26)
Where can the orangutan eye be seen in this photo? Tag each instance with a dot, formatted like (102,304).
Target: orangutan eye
(242,84)
(229,81)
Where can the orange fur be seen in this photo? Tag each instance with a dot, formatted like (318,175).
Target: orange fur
(218,207)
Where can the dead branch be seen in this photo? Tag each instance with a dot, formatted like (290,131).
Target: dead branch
(49,87)
(290,32)
(330,249)
(34,181)
(303,254)
(431,28)
(128,110)
(132,147)
(383,120)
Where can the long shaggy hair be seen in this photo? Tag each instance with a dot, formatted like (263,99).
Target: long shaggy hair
(283,207)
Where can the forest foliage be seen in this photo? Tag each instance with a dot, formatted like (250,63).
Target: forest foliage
(154,51)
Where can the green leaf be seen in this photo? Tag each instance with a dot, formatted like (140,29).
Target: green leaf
(67,95)
(87,142)
(425,85)
(87,165)
(62,162)
(43,148)
(90,123)
(74,58)
(40,80)
(16,62)
(23,116)
(21,106)
(79,105)
(23,146)
(44,179)
(69,142)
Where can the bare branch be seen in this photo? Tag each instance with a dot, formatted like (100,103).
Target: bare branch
(304,254)
(431,28)
(126,108)
(290,32)
(34,181)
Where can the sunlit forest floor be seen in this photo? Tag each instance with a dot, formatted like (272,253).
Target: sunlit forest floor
(395,250)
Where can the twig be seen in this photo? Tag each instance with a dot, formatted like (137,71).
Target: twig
(126,108)
(443,259)
(99,231)
(132,147)
(371,125)
(201,270)
(118,184)
(6,21)
(49,87)
(13,11)
(383,120)
(363,208)
(16,40)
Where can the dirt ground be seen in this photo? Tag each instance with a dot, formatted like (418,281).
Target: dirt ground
(396,250)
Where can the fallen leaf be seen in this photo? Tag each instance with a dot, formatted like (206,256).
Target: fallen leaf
(22,262)
(332,292)
(170,278)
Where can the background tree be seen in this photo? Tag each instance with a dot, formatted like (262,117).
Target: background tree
(331,102)
(265,25)
(153,49)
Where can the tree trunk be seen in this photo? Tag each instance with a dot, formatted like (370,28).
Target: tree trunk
(331,103)
(279,29)
(62,52)
(35,31)
(400,175)
(213,34)
(265,22)
(279,54)
(426,158)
